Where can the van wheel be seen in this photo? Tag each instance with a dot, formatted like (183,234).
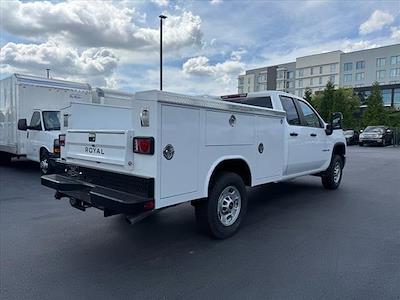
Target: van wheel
(45,163)
(5,158)
(333,175)
(221,214)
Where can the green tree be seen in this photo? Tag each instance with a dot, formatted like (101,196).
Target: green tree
(308,94)
(326,107)
(316,101)
(375,114)
(348,104)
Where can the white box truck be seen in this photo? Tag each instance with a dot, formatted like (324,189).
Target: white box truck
(29,116)
(168,149)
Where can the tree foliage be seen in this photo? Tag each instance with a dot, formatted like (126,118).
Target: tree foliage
(327,99)
(308,94)
(375,114)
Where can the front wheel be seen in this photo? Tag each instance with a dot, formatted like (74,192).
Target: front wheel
(45,163)
(333,175)
(221,214)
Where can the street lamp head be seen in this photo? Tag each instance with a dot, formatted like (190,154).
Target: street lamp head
(162,17)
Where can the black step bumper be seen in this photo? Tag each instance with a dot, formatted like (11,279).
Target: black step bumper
(109,198)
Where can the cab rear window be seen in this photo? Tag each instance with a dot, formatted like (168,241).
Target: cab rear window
(255,101)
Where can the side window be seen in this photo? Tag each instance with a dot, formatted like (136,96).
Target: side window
(310,117)
(35,121)
(292,116)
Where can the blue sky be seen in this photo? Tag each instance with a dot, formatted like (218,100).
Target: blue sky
(207,43)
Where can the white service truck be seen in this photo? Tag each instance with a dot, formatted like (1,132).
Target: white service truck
(168,149)
(30,114)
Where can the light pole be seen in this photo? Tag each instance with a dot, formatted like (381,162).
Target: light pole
(161,22)
(48,73)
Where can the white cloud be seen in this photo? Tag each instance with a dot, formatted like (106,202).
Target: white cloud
(93,65)
(215,2)
(97,24)
(224,74)
(349,46)
(376,22)
(237,54)
(200,66)
(160,2)
(395,33)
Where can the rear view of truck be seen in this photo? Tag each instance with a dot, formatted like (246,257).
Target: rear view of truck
(107,159)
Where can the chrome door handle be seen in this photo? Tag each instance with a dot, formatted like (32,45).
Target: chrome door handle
(294,134)
(313,134)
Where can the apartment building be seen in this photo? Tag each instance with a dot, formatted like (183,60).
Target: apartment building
(285,77)
(360,69)
(314,71)
(357,70)
(257,80)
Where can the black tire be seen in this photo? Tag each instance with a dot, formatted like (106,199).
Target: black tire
(383,143)
(5,158)
(46,165)
(207,216)
(329,178)
(361,144)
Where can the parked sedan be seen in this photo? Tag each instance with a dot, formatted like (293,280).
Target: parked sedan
(377,135)
(351,136)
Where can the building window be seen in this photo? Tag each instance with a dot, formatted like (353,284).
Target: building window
(320,70)
(290,74)
(360,76)
(394,60)
(360,64)
(300,82)
(281,74)
(380,74)
(332,78)
(348,66)
(311,71)
(333,68)
(311,81)
(320,80)
(241,80)
(347,77)
(381,62)
(396,99)
(291,84)
(395,72)
(301,72)
(387,97)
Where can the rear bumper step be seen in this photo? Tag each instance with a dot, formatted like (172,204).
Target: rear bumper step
(109,200)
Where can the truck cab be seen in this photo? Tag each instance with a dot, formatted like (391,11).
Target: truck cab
(42,134)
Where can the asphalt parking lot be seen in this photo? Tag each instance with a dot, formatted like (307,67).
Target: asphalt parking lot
(298,241)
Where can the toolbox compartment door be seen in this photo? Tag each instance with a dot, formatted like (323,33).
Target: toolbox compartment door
(180,128)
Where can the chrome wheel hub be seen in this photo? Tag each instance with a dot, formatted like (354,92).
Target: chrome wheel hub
(229,205)
(44,165)
(337,172)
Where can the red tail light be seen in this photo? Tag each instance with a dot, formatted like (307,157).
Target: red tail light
(61,138)
(143,145)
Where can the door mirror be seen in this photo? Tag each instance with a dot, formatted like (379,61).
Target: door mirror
(361,131)
(336,120)
(22,125)
(328,129)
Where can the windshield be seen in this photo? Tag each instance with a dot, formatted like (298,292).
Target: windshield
(51,120)
(373,129)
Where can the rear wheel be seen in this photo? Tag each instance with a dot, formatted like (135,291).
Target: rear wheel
(221,214)
(333,175)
